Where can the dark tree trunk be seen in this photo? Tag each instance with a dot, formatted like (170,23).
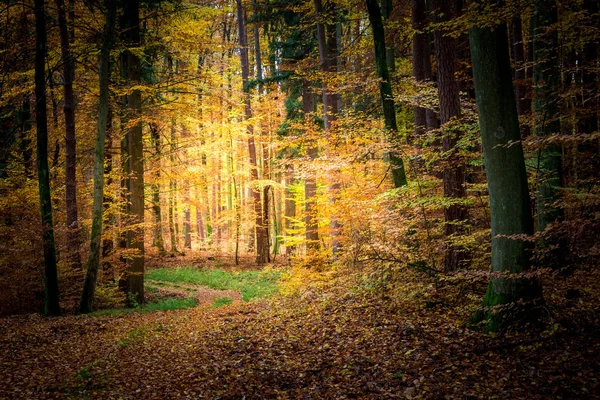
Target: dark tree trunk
(385,92)
(506,176)
(51,306)
(73,235)
(130,64)
(89,286)
(520,78)
(454,171)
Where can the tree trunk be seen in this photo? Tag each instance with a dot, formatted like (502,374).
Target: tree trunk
(290,208)
(505,171)
(520,78)
(455,215)
(130,64)
(310,183)
(425,117)
(51,306)
(385,91)
(156,209)
(262,248)
(73,235)
(326,37)
(89,286)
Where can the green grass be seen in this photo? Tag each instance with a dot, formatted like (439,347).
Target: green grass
(251,284)
(161,305)
(171,304)
(222,301)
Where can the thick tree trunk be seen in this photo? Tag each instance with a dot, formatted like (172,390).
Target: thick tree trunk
(130,64)
(262,248)
(51,306)
(73,235)
(89,286)
(506,176)
(385,91)
(455,215)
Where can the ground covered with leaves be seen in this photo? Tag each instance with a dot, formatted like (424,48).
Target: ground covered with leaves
(321,338)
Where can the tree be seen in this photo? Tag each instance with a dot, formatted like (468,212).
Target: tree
(425,118)
(385,91)
(507,181)
(51,306)
(73,234)
(454,171)
(262,238)
(130,70)
(89,286)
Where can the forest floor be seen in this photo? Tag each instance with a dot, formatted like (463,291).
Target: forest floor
(327,339)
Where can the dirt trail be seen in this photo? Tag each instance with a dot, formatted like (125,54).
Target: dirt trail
(204,295)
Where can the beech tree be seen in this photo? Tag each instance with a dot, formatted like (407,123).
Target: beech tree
(89,286)
(73,234)
(385,90)
(133,281)
(51,305)
(511,217)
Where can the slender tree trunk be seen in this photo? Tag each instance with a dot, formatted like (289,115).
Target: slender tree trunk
(520,78)
(109,220)
(328,56)
(73,235)
(156,209)
(385,91)
(455,214)
(262,248)
(425,117)
(290,208)
(89,286)
(130,64)
(310,183)
(51,306)
(506,176)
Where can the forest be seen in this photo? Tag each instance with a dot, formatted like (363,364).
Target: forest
(303,199)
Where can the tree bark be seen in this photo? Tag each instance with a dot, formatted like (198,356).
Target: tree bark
(310,183)
(130,64)
(425,117)
(73,234)
(455,215)
(262,248)
(520,78)
(385,91)
(506,176)
(89,286)
(51,305)
(156,209)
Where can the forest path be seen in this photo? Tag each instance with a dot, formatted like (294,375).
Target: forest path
(204,295)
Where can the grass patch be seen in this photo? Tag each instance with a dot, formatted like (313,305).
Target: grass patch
(171,304)
(160,305)
(222,301)
(251,284)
